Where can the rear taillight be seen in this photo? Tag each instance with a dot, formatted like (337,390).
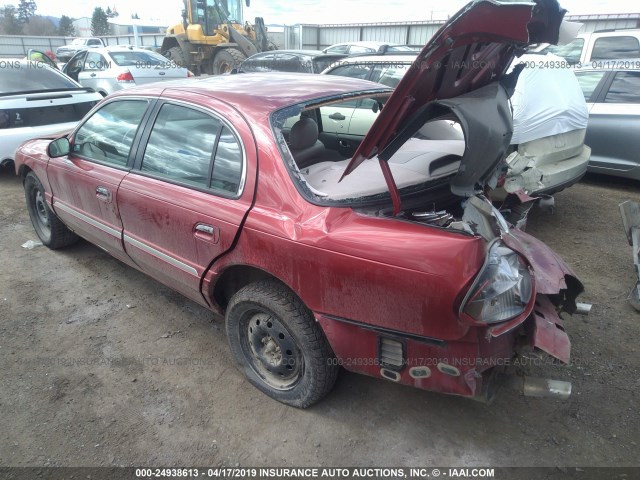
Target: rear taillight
(503,288)
(190,74)
(125,77)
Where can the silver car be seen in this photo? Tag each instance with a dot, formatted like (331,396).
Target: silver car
(612,92)
(113,68)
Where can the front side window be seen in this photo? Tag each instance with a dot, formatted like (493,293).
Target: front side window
(192,147)
(615,47)
(589,81)
(108,134)
(625,88)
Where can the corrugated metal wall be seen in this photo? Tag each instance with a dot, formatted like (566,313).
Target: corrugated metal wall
(317,37)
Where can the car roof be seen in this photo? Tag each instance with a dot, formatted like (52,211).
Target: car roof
(622,32)
(365,43)
(309,53)
(262,93)
(117,48)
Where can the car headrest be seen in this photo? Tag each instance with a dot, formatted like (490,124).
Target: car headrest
(304,134)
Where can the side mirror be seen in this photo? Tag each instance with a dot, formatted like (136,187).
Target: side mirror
(59,147)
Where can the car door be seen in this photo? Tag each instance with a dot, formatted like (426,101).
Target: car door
(92,68)
(74,66)
(184,202)
(614,123)
(85,182)
(336,117)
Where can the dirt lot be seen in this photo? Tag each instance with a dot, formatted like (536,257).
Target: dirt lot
(100,365)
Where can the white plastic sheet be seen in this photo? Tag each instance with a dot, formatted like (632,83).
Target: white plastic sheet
(547,100)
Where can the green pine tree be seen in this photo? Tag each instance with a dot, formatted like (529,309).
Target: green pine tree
(99,24)
(26,10)
(66,27)
(9,23)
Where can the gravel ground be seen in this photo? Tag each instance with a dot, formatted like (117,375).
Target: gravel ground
(102,366)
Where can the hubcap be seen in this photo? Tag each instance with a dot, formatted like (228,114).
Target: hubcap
(41,209)
(272,350)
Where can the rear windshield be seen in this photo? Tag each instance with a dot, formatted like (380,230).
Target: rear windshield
(317,141)
(133,58)
(19,76)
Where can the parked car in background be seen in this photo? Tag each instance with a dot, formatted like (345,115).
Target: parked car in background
(65,52)
(36,101)
(593,47)
(550,119)
(354,48)
(547,168)
(612,93)
(293,61)
(403,270)
(113,68)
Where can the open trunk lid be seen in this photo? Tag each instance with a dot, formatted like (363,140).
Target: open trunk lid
(462,70)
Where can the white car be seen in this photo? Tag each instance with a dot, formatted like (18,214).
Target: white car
(109,69)
(37,101)
(356,48)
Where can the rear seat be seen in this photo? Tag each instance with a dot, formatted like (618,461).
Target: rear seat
(417,161)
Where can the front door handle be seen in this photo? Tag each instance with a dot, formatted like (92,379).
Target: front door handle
(337,116)
(205,228)
(92,75)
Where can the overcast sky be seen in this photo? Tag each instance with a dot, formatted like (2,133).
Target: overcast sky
(311,11)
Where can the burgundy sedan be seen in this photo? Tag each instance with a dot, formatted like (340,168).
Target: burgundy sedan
(388,260)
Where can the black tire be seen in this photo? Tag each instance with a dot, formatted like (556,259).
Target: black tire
(50,230)
(293,361)
(226,60)
(176,55)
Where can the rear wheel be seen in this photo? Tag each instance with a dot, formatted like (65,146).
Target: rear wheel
(226,60)
(176,55)
(279,345)
(50,230)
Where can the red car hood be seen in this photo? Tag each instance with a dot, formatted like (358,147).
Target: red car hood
(467,57)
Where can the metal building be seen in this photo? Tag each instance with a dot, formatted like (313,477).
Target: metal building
(317,37)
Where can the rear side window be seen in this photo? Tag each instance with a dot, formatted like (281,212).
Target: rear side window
(190,147)
(589,81)
(293,63)
(338,49)
(571,52)
(353,71)
(360,49)
(625,88)
(615,47)
(108,134)
(389,75)
(261,63)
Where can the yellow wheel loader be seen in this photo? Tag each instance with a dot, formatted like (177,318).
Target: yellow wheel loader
(212,39)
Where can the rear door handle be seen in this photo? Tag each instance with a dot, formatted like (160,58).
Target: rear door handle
(92,75)
(337,116)
(102,192)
